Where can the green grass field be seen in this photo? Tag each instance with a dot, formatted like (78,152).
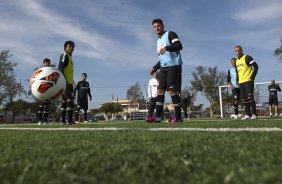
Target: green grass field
(137,152)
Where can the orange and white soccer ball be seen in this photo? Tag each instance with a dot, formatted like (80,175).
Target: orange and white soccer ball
(47,83)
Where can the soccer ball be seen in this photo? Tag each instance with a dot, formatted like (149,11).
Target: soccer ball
(47,83)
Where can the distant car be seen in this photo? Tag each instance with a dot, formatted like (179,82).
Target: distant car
(97,118)
(118,119)
(138,118)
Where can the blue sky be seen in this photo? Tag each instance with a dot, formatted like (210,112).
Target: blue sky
(115,43)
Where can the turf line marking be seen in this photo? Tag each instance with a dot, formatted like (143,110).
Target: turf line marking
(154,129)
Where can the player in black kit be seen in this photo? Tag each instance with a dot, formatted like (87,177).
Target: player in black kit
(83,89)
(273,99)
(43,108)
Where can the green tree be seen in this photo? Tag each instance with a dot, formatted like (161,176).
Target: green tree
(134,92)
(9,87)
(94,111)
(18,108)
(207,80)
(278,52)
(111,108)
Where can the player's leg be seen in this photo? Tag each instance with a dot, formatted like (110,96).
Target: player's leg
(275,102)
(270,102)
(173,84)
(70,104)
(63,109)
(184,107)
(245,101)
(276,110)
(251,100)
(235,93)
(77,111)
(85,108)
(40,113)
(45,113)
(152,107)
(160,98)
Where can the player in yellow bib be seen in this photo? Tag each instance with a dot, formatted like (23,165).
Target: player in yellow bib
(66,67)
(246,68)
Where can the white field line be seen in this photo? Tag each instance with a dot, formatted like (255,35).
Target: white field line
(130,122)
(265,129)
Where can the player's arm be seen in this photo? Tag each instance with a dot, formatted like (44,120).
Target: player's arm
(229,80)
(251,62)
(155,68)
(76,88)
(278,88)
(174,41)
(64,61)
(89,92)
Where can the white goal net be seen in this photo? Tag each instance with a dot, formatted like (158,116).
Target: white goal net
(261,95)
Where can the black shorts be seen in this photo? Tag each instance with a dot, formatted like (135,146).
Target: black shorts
(236,93)
(247,90)
(82,104)
(169,78)
(273,100)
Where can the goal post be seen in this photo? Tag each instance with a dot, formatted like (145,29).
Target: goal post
(261,95)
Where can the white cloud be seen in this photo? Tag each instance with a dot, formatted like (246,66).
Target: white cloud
(36,24)
(258,13)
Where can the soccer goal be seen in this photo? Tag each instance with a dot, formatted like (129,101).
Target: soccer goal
(261,95)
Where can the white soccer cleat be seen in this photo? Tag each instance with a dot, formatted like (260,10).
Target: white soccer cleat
(39,123)
(254,117)
(235,116)
(246,117)
(86,121)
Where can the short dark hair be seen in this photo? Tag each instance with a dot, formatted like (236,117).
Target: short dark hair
(84,74)
(233,59)
(238,46)
(46,60)
(157,21)
(69,43)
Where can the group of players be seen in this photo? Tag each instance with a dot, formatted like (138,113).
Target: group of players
(67,105)
(169,67)
(245,88)
(240,78)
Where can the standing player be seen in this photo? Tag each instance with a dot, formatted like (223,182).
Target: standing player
(83,89)
(43,107)
(246,70)
(185,102)
(170,61)
(232,83)
(152,94)
(66,67)
(273,99)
